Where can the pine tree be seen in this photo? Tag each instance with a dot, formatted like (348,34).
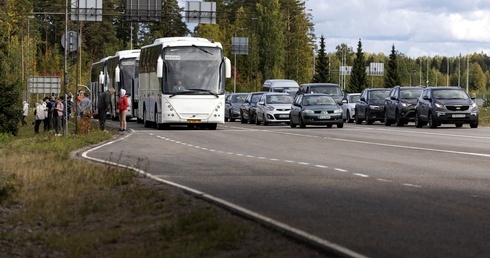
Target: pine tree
(271,38)
(392,77)
(322,68)
(10,110)
(358,80)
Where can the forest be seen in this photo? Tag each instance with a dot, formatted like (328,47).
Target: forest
(282,44)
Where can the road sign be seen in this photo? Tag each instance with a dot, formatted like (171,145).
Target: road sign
(44,84)
(73,40)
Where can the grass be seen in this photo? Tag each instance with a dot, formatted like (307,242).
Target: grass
(54,205)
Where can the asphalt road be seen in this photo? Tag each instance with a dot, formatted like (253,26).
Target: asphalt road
(378,191)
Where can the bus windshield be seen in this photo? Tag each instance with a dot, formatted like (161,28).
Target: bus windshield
(192,70)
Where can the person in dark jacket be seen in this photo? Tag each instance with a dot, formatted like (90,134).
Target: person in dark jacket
(103,106)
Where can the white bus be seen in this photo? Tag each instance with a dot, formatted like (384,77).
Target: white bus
(123,77)
(199,66)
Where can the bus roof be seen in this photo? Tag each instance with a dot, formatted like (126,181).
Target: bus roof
(128,53)
(185,41)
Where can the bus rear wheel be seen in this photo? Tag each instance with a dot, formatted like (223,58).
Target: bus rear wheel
(212,126)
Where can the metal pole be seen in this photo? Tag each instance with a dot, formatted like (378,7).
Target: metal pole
(234,77)
(66,64)
(467,70)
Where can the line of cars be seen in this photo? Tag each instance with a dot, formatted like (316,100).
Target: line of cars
(324,103)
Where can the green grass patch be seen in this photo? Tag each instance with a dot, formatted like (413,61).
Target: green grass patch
(57,206)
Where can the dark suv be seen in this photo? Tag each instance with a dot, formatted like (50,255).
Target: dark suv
(371,105)
(400,105)
(331,89)
(247,110)
(445,105)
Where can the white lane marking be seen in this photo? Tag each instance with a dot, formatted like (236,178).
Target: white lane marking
(438,134)
(287,161)
(384,180)
(239,209)
(361,175)
(412,185)
(411,147)
(391,145)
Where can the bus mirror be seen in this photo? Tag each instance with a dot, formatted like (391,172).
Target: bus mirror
(117,74)
(160,67)
(227,68)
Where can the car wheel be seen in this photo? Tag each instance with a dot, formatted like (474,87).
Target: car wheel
(418,123)
(398,120)
(265,121)
(432,123)
(459,125)
(357,119)
(291,123)
(251,118)
(301,122)
(340,125)
(231,119)
(242,120)
(349,120)
(369,121)
(386,120)
(474,125)
(257,122)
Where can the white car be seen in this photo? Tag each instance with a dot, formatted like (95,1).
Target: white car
(349,106)
(273,107)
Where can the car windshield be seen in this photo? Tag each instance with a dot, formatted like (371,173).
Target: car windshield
(354,98)
(326,90)
(410,93)
(318,100)
(279,99)
(255,98)
(238,98)
(449,94)
(378,94)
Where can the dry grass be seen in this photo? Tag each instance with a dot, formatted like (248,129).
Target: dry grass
(52,205)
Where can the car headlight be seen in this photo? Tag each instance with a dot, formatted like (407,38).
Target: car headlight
(439,105)
(404,104)
(269,108)
(308,111)
(337,111)
(474,106)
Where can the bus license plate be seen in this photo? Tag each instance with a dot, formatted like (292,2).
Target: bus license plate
(193,121)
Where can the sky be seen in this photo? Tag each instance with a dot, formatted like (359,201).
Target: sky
(415,27)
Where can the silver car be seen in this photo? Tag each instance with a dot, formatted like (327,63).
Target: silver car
(349,106)
(273,107)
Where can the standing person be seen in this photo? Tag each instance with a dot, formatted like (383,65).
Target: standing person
(103,106)
(85,106)
(25,112)
(122,105)
(85,110)
(47,121)
(58,116)
(40,114)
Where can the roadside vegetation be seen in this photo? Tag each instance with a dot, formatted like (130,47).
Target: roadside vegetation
(56,205)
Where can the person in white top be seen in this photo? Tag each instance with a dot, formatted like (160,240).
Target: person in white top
(25,112)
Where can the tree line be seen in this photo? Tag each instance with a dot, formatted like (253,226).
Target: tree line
(281,36)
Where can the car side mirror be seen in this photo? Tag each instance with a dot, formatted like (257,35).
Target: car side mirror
(344,101)
(362,99)
(393,98)
(426,97)
(260,103)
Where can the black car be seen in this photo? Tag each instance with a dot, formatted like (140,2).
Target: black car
(400,105)
(233,102)
(316,109)
(371,105)
(247,110)
(331,89)
(445,105)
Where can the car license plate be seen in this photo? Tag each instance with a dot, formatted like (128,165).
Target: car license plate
(284,116)
(193,121)
(458,115)
(324,117)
